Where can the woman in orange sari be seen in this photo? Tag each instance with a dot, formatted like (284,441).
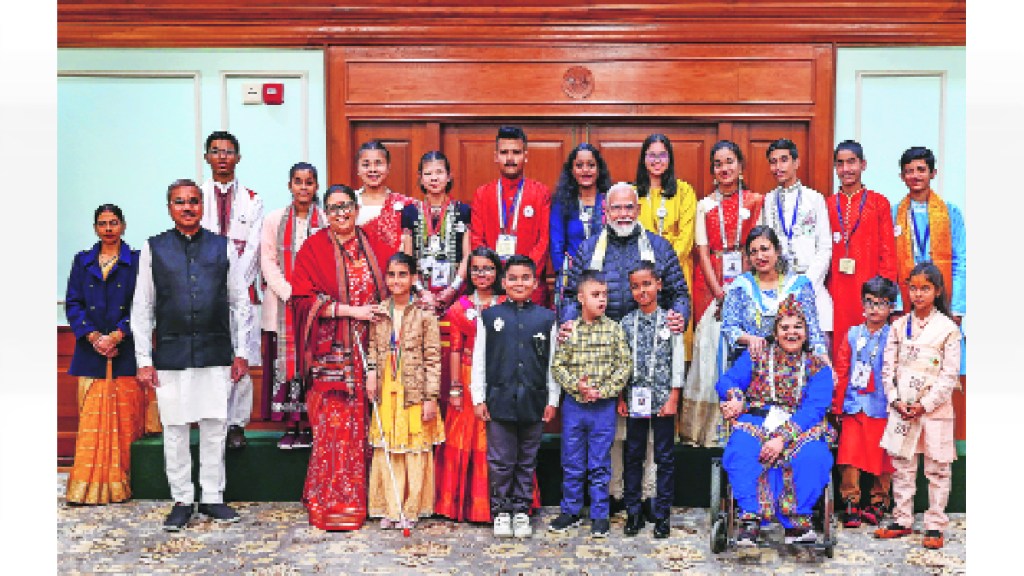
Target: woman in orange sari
(98,304)
(336,286)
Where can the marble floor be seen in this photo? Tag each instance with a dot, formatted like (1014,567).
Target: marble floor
(275,539)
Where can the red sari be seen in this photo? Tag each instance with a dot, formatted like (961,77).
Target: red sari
(385,230)
(330,355)
(463,492)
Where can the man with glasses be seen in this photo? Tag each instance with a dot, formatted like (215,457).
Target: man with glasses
(232,210)
(191,292)
(510,214)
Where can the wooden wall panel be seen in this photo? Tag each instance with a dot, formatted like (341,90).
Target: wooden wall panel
(754,139)
(94,23)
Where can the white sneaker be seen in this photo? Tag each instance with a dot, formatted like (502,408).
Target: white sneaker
(503,525)
(521,526)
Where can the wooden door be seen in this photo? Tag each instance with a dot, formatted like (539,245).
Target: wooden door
(754,138)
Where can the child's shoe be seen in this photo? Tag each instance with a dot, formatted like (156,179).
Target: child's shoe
(564,522)
(503,525)
(893,530)
(600,528)
(749,531)
(933,539)
(852,515)
(801,536)
(521,525)
(872,514)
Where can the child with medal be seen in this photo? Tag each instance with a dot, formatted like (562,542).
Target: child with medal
(435,233)
(650,400)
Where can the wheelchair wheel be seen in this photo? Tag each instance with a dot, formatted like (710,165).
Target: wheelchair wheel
(716,489)
(719,538)
(830,551)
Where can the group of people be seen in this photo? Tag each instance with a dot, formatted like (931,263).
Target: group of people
(354,290)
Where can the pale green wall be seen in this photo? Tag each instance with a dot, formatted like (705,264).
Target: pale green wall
(890,99)
(131,121)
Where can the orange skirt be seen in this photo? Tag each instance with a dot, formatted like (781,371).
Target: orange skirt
(110,418)
(463,493)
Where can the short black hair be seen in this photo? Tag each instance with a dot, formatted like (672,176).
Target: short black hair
(648,266)
(880,287)
(222,135)
(182,183)
(402,258)
(592,276)
(520,260)
(852,146)
(918,153)
(783,144)
(374,145)
(511,133)
(335,188)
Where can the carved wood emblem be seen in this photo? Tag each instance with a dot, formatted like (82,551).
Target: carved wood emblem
(578,82)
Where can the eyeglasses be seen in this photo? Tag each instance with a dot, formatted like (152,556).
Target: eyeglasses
(343,208)
(220,152)
(656,156)
(184,201)
(481,270)
(869,304)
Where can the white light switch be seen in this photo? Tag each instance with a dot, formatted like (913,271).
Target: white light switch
(252,93)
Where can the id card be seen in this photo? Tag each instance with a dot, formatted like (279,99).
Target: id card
(640,402)
(847,265)
(861,375)
(435,244)
(776,417)
(506,245)
(439,274)
(732,265)
(426,264)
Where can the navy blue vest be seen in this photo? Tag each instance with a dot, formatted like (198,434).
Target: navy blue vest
(193,327)
(517,360)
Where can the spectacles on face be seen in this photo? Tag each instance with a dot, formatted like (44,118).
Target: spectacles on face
(654,156)
(870,304)
(481,270)
(184,201)
(343,208)
(221,152)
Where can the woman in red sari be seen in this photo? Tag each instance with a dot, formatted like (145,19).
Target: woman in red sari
(336,287)
(380,208)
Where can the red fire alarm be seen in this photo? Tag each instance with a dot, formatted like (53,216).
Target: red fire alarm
(273,93)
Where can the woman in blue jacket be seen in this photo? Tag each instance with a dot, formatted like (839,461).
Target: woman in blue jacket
(577,206)
(98,304)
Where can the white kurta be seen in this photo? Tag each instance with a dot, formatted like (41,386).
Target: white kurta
(189,395)
(811,242)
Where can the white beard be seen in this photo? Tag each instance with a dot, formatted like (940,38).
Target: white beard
(623,230)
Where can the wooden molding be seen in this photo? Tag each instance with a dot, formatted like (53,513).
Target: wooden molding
(271,23)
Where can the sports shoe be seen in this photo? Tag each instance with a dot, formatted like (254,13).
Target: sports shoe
(564,522)
(747,536)
(933,539)
(801,536)
(236,437)
(521,525)
(872,514)
(304,439)
(634,524)
(662,528)
(893,530)
(599,528)
(287,442)
(852,515)
(503,525)
(220,513)
(178,518)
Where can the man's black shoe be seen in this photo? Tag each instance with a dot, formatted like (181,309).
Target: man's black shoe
(616,505)
(221,513)
(236,437)
(178,518)
(662,528)
(634,524)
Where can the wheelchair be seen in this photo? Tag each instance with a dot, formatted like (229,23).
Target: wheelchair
(725,525)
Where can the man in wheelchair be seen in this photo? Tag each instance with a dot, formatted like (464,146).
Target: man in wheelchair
(777,458)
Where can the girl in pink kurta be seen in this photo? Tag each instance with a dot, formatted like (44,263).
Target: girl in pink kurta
(921,369)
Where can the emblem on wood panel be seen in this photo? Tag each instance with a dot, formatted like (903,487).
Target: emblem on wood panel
(578,82)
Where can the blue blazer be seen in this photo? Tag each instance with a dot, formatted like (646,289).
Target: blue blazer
(92,303)
(567,231)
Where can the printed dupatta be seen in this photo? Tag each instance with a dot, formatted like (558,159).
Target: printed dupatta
(286,253)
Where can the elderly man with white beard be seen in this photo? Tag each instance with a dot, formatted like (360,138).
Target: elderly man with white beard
(622,244)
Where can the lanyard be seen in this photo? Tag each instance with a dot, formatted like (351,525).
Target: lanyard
(910,322)
(874,349)
(796,210)
(739,220)
(860,214)
(661,213)
(654,347)
(771,372)
(922,244)
(430,229)
(396,349)
(503,209)
(586,216)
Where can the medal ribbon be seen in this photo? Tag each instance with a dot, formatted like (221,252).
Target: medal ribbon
(726,247)
(654,342)
(922,244)
(396,350)
(860,213)
(796,210)
(430,229)
(660,214)
(503,209)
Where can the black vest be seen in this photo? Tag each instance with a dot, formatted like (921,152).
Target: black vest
(193,327)
(517,360)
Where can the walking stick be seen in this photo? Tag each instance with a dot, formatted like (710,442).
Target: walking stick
(391,471)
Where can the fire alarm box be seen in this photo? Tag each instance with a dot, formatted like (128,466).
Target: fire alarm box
(273,93)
